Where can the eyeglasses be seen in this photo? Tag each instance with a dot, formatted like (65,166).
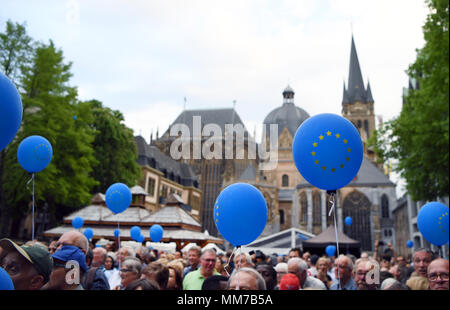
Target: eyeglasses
(209,260)
(434,276)
(126,270)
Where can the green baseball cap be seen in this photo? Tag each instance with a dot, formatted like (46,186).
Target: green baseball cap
(37,255)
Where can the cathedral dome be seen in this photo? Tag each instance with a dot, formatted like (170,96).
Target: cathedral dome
(288,115)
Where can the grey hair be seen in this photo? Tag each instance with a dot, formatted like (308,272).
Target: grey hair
(197,249)
(133,263)
(387,283)
(350,262)
(251,271)
(427,250)
(130,251)
(209,251)
(248,258)
(302,265)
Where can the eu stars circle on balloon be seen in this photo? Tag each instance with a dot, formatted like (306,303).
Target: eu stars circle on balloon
(327,151)
(118,197)
(34,153)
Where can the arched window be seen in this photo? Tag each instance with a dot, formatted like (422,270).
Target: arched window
(358,206)
(285,180)
(384,207)
(316,209)
(359,123)
(303,208)
(366,127)
(281,217)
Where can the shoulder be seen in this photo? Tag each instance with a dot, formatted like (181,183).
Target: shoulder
(314,283)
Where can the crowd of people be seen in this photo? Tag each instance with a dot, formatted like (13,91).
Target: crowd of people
(73,263)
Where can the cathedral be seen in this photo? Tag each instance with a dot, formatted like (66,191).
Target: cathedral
(291,201)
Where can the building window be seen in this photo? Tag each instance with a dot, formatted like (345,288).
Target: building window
(366,127)
(316,209)
(384,207)
(359,123)
(281,217)
(151,186)
(303,208)
(285,180)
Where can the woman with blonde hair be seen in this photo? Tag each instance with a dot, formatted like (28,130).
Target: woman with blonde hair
(322,266)
(418,283)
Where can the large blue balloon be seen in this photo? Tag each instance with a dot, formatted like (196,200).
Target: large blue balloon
(432,222)
(156,233)
(135,232)
(330,250)
(240,213)
(34,153)
(77,222)
(118,197)
(5,281)
(348,221)
(89,233)
(116,232)
(327,151)
(409,243)
(10,111)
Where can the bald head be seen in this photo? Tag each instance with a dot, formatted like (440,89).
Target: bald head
(438,274)
(74,238)
(99,257)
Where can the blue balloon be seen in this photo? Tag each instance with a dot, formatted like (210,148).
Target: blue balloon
(10,111)
(240,213)
(116,232)
(432,222)
(409,243)
(74,117)
(330,250)
(327,151)
(118,197)
(348,221)
(6,284)
(140,239)
(135,232)
(156,233)
(89,233)
(34,153)
(78,222)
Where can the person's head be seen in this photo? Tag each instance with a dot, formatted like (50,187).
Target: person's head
(208,262)
(361,276)
(260,257)
(438,274)
(52,246)
(289,282)
(418,283)
(243,260)
(69,266)
(142,285)
(28,266)
(364,255)
(215,282)
(157,272)
(99,257)
(344,268)
(269,274)
(193,256)
(175,280)
(298,267)
(75,238)
(125,252)
(246,279)
(387,283)
(400,260)
(89,256)
(110,261)
(281,269)
(219,265)
(307,258)
(178,255)
(422,258)
(323,264)
(130,270)
(295,252)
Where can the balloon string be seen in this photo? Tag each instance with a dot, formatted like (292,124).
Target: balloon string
(332,201)
(118,240)
(239,269)
(228,263)
(32,208)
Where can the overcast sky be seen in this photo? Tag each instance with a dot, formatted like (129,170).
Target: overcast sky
(143,57)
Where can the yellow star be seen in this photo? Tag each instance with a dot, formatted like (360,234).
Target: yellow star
(324,167)
(316,162)
(333,169)
(342,165)
(315,144)
(313,153)
(338,135)
(347,159)
(345,140)
(321,137)
(328,133)
(217,213)
(348,150)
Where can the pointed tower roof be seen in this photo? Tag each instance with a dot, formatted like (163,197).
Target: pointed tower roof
(345,96)
(356,91)
(369,97)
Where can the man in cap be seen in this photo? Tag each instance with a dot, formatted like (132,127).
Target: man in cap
(69,265)
(28,266)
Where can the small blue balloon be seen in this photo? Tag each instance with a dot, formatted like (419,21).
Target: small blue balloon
(432,222)
(330,250)
(116,232)
(74,117)
(409,243)
(135,232)
(34,153)
(348,221)
(89,233)
(240,213)
(6,284)
(156,233)
(118,197)
(10,111)
(327,151)
(77,222)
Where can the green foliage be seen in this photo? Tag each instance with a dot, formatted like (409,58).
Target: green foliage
(419,137)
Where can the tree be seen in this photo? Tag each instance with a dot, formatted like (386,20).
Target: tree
(419,137)
(114,147)
(15,53)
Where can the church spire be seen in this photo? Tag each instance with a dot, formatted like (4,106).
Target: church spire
(355,84)
(369,98)
(345,96)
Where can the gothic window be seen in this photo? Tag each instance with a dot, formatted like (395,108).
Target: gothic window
(366,127)
(359,123)
(358,206)
(384,207)
(303,208)
(281,217)
(285,180)
(316,209)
